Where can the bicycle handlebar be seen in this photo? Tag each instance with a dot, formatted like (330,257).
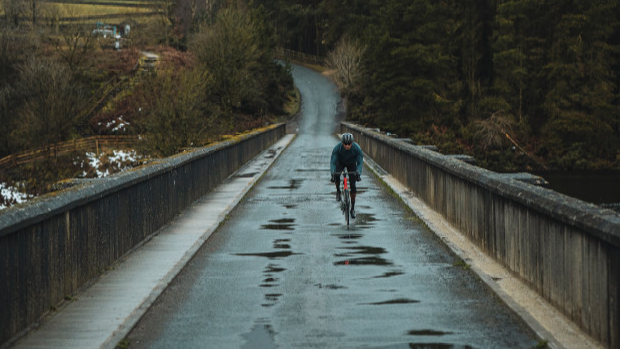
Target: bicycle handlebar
(345,173)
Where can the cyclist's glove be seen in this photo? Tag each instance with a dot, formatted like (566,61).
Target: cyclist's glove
(358,177)
(333,178)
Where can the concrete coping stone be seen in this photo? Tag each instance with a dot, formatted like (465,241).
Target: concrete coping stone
(595,220)
(49,205)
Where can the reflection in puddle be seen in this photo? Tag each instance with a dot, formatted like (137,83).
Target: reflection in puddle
(274,268)
(294,184)
(330,286)
(270,280)
(280,224)
(365,220)
(371,260)
(272,299)
(270,255)
(261,336)
(349,236)
(389,274)
(365,250)
(281,243)
(427,333)
(394,301)
(364,261)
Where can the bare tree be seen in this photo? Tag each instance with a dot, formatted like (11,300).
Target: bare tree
(495,130)
(74,45)
(346,60)
(52,101)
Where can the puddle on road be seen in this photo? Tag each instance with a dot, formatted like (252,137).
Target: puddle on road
(272,299)
(365,220)
(269,282)
(247,175)
(271,153)
(281,244)
(273,268)
(389,274)
(394,301)
(280,224)
(366,250)
(270,255)
(260,336)
(364,261)
(331,286)
(427,333)
(294,184)
(349,238)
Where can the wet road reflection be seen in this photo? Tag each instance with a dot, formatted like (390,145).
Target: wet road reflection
(284,271)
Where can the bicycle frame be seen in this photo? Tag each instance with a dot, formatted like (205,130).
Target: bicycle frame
(345,204)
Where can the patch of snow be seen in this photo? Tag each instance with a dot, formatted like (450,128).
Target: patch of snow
(119,160)
(12,195)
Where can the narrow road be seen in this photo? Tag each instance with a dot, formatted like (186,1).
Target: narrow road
(284,271)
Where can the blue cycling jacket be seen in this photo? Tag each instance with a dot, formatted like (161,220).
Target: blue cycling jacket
(354,156)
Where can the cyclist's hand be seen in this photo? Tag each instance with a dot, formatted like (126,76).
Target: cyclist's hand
(333,178)
(359,178)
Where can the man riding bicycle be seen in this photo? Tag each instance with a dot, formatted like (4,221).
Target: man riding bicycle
(347,154)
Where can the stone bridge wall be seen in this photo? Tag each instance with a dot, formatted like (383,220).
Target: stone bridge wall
(54,245)
(565,249)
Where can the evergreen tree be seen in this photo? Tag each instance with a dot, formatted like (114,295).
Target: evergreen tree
(583,89)
(410,64)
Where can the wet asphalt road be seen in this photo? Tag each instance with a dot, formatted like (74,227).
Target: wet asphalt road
(283,271)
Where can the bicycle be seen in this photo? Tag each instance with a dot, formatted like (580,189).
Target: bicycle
(345,202)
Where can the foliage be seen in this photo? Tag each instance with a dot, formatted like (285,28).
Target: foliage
(550,67)
(236,51)
(172,111)
(52,101)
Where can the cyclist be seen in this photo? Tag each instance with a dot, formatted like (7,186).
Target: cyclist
(347,154)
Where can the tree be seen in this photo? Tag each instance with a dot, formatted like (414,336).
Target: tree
(346,60)
(581,99)
(237,55)
(52,103)
(410,63)
(75,45)
(173,114)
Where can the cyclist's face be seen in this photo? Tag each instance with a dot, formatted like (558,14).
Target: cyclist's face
(347,146)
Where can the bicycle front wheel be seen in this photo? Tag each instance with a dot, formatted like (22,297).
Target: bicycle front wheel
(347,206)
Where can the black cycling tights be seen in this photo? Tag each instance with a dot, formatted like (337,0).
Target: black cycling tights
(352,179)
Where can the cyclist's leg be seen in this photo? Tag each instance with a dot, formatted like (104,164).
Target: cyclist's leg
(339,169)
(353,182)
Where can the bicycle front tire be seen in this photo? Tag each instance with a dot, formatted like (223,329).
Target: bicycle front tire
(347,212)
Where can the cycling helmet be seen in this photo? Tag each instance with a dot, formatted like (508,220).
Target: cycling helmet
(347,138)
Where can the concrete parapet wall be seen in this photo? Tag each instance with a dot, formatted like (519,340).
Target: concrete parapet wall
(56,244)
(565,249)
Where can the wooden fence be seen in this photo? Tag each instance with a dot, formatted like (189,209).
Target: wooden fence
(94,143)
